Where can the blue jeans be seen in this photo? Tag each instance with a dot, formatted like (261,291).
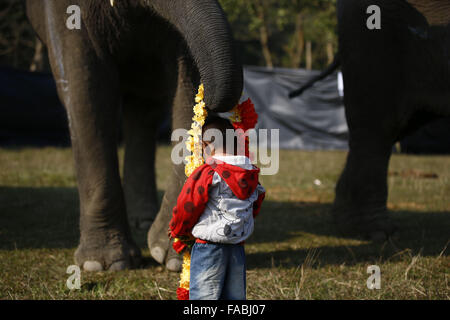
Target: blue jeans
(217,272)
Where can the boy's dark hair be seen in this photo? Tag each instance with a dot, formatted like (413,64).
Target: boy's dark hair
(215,122)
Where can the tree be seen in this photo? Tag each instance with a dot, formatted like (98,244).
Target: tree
(17,38)
(321,31)
(284,30)
(260,9)
(283,33)
(252,20)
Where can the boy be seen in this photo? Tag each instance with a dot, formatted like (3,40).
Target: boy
(216,207)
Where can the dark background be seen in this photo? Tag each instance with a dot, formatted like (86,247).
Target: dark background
(282,33)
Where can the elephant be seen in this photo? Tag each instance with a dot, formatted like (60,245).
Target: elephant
(396,79)
(135,60)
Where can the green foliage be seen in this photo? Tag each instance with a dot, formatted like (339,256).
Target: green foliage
(317,23)
(17,38)
(288,25)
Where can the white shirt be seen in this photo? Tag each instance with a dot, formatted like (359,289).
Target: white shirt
(227,219)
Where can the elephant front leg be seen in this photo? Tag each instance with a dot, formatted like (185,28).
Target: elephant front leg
(92,107)
(141,122)
(88,86)
(105,242)
(361,193)
(158,242)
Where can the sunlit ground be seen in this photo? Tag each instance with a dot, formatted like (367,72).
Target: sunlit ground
(294,253)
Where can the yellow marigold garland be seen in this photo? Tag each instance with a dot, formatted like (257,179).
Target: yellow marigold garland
(195,160)
(185,274)
(193,143)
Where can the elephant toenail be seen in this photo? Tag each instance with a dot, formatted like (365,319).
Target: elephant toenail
(174,265)
(119,265)
(92,266)
(158,254)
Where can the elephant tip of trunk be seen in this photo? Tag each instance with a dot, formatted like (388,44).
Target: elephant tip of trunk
(222,97)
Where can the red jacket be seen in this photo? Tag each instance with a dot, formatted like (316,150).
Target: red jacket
(194,196)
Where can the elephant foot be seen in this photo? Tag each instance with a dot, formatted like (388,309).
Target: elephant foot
(376,227)
(158,245)
(161,250)
(157,239)
(141,223)
(141,218)
(174,261)
(379,229)
(113,255)
(390,232)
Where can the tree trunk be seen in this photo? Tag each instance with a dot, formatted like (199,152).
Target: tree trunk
(264,34)
(308,55)
(299,39)
(37,64)
(330,51)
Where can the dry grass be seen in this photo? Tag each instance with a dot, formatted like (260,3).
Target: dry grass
(293,254)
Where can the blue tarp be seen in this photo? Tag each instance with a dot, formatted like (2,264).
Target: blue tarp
(31,113)
(314,120)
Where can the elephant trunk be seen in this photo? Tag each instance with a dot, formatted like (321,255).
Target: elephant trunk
(203,25)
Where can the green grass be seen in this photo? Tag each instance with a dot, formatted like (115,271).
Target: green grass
(294,253)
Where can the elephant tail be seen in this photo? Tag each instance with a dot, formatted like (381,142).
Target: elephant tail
(325,73)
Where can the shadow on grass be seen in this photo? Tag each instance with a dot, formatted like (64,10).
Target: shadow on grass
(48,218)
(307,229)
(43,218)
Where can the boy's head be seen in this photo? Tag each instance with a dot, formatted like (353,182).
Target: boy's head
(215,136)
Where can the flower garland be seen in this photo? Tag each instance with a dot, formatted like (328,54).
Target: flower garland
(243,116)
(183,289)
(195,160)
(194,143)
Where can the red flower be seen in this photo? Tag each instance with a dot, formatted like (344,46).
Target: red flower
(179,245)
(249,117)
(182,294)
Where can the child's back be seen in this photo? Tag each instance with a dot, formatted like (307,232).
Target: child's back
(227,217)
(217,205)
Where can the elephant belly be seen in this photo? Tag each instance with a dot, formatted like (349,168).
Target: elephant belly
(437,12)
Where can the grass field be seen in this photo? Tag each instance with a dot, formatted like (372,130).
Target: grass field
(293,254)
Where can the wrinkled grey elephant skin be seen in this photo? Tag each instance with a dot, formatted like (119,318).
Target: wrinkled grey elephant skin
(143,58)
(396,79)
